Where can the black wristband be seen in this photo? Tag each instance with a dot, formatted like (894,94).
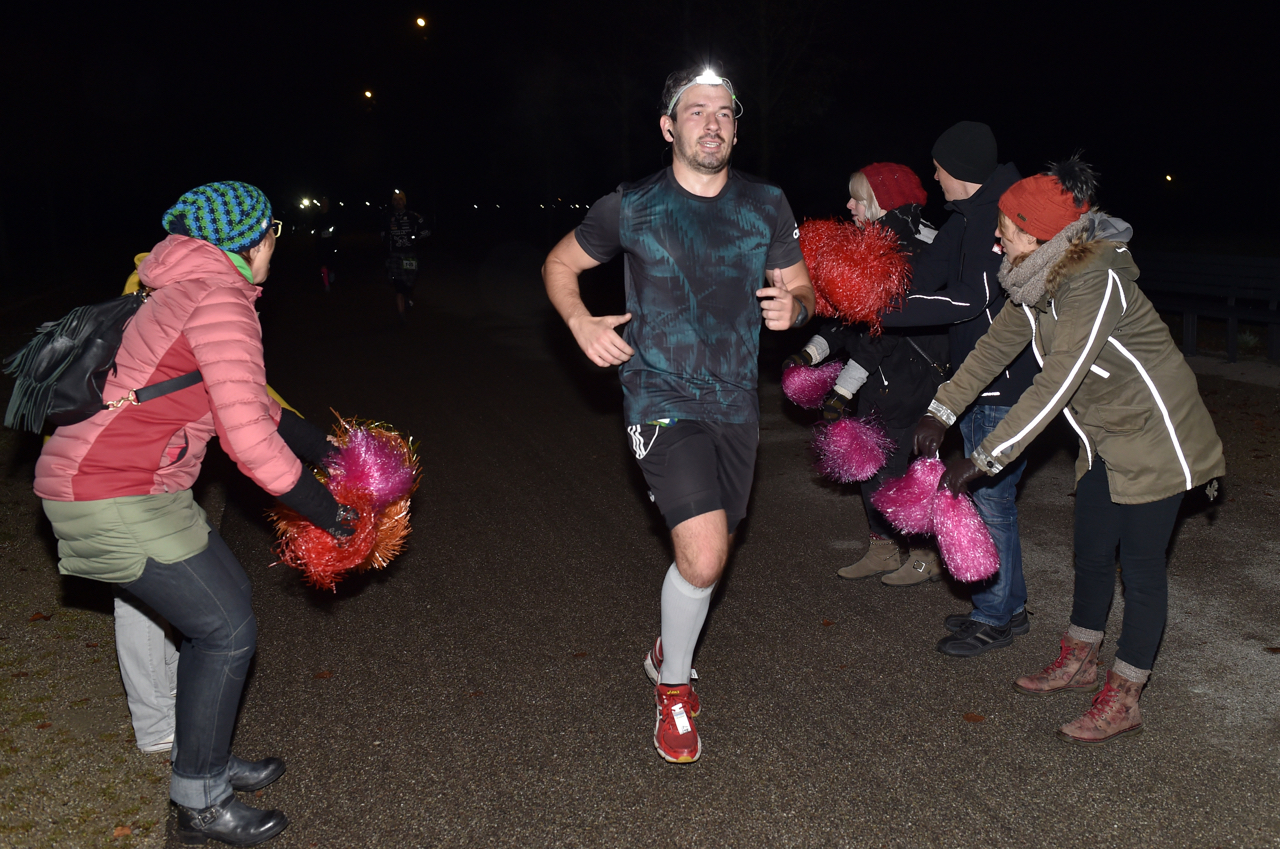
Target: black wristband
(802,317)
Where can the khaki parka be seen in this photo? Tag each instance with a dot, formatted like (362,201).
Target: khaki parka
(1109,364)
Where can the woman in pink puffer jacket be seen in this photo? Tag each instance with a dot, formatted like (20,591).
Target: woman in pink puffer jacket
(117,486)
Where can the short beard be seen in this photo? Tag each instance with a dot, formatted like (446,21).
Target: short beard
(698,166)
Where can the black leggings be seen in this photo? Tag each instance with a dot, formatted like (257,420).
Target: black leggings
(1142,532)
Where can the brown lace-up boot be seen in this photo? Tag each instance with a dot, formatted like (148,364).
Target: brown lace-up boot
(1075,669)
(1115,713)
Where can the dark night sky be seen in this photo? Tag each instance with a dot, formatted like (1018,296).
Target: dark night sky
(110,119)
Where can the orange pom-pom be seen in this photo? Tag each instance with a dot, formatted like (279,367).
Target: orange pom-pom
(379,533)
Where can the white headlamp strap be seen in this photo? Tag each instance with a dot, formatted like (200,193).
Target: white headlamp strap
(707,77)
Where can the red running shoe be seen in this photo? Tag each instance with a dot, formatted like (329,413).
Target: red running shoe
(653,668)
(674,735)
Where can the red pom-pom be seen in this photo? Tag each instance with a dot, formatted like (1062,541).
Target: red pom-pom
(858,272)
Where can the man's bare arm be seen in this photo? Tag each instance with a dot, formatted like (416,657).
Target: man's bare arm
(789,288)
(595,335)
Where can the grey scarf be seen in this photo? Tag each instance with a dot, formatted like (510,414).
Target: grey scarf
(1025,283)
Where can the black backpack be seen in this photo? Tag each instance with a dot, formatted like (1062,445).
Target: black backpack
(61,372)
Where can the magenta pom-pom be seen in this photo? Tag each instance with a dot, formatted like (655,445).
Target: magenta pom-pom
(372,461)
(963,539)
(857,273)
(907,502)
(851,450)
(807,385)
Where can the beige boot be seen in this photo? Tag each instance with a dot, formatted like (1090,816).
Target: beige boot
(1114,714)
(1075,669)
(922,565)
(882,556)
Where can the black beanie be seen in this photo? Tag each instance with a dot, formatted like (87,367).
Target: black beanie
(967,151)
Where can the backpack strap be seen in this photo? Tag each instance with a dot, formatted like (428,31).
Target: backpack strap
(156,390)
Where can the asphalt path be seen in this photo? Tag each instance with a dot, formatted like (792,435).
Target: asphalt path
(486,689)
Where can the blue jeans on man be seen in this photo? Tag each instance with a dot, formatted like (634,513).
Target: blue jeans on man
(998,599)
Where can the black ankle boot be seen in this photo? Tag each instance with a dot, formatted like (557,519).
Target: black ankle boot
(231,822)
(253,775)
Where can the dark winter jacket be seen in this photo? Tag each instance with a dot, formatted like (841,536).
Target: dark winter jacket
(953,282)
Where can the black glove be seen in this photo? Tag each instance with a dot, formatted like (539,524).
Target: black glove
(800,359)
(309,498)
(834,405)
(928,436)
(304,439)
(958,474)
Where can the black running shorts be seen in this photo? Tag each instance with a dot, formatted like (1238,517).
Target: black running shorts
(695,467)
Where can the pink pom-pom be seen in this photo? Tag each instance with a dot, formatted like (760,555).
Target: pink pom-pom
(851,449)
(375,462)
(907,502)
(963,539)
(807,386)
(857,272)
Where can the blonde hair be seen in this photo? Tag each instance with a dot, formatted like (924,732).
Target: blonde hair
(860,190)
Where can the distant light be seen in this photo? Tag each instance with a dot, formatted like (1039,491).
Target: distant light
(498,205)
(366,203)
(542,206)
(397,191)
(368,94)
(422,22)
(1168,178)
(340,203)
(475,206)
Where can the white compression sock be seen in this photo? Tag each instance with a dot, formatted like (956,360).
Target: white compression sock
(684,609)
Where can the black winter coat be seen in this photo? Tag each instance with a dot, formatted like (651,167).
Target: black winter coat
(954,283)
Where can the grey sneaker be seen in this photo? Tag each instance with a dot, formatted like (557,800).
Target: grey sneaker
(1018,623)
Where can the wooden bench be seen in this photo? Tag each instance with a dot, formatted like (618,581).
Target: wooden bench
(1233,288)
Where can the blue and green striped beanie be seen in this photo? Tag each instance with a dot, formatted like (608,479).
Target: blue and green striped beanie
(234,216)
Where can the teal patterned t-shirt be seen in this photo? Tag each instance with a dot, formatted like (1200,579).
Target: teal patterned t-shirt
(693,266)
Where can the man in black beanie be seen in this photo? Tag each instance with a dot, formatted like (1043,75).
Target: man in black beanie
(954,283)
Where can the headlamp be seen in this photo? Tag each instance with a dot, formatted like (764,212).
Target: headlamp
(708,77)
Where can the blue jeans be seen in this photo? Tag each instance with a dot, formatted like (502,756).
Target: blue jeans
(207,598)
(996,600)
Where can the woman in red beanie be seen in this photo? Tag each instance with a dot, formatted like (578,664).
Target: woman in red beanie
(1109,365)
(894,374)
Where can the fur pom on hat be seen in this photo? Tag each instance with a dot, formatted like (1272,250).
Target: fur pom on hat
(1045,203)
(894,185)
(231,215)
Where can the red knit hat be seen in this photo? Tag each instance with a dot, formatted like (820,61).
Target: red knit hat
(1041,206)
(894,185)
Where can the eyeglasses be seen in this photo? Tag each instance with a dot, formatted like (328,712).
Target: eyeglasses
(708,77)
(276,227)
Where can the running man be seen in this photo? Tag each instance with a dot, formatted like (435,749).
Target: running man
(709,253)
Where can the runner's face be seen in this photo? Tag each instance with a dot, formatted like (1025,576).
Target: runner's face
(703,130)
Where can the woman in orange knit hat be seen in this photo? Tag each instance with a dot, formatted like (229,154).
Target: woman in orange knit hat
(1110,366)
